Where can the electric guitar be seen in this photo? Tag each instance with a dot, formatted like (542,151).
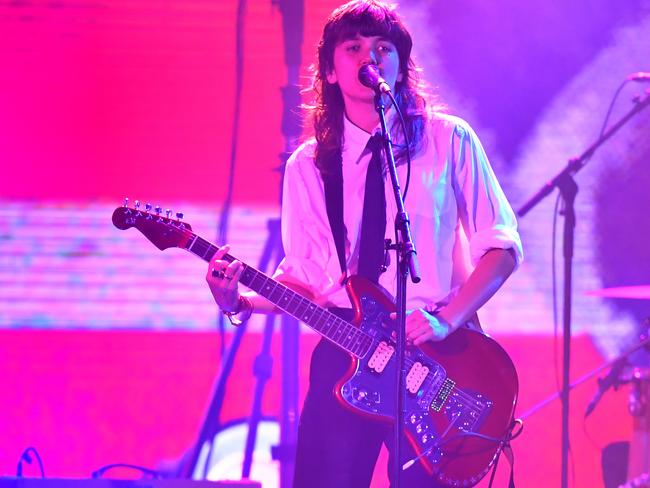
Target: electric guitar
(460,392)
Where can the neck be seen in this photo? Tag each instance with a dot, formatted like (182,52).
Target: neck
(363,115)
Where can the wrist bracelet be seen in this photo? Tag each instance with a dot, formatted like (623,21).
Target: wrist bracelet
(244,306)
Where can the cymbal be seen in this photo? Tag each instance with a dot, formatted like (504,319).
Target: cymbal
(640,292)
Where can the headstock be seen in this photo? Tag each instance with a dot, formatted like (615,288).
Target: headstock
(163,231)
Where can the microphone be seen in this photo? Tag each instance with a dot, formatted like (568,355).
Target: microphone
(369,76)
(638,76)
(613,378)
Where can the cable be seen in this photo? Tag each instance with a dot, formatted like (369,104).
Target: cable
(27,458)
(611,106)
(406,141)
(98,473)
(510,435)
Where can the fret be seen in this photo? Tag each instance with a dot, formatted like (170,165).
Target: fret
(322,317)
(276,292)
(292,300)
(298,304)
(351,336)
(267,289)
(366,344)
(308,315)
(258,280)
(204,247)
(285,301)
(358,339)
(338,334)
(210,252)
(190,242)
(347,336)
(247,276)
(338,331)
(302,307)
(333,327)
(327,324)
(198,246)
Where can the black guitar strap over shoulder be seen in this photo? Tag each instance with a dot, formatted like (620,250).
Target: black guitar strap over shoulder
(333,185)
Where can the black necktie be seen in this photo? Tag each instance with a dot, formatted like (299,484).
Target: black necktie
(373,221)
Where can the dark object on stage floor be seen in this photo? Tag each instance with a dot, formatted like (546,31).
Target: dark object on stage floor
(461,392)
(108,483)
(614,459)
(640,292)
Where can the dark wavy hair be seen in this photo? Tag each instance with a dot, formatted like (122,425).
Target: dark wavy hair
(366,18)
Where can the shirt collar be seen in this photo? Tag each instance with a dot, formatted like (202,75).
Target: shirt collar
(355,138)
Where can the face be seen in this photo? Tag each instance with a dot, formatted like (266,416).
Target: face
(351,54)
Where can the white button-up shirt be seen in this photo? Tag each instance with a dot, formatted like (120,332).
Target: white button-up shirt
(455,204)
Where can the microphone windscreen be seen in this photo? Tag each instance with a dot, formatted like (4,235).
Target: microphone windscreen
(369,75)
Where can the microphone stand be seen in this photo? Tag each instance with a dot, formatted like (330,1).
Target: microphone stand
(614,377)
(568,189)
(406,263)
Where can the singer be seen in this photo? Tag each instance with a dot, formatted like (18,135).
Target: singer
(464,228)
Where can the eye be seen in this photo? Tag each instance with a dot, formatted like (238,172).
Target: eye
(352,47)
(385,47)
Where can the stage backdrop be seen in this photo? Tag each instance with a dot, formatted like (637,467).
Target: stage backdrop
(108,347)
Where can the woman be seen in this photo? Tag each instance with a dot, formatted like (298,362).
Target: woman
(464,229)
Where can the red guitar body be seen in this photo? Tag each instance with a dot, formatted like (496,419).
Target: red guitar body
(470,387)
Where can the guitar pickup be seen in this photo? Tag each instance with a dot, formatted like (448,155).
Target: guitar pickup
(380,357)
(416,376)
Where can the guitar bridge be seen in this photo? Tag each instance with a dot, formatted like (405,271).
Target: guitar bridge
(443,393)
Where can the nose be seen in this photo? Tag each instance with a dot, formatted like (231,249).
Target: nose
(369,56)
(374,57)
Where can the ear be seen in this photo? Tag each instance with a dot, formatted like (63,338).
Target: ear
(331,77)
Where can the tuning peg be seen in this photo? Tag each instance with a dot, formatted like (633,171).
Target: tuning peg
(148,207)
(168,212)
(158,209)
(179,215)
(126,202)
(136,204)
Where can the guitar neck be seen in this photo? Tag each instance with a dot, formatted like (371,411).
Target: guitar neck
(340,332)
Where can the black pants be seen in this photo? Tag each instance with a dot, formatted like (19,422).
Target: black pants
(338,448)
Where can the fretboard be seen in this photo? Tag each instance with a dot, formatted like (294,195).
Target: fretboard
(337,330)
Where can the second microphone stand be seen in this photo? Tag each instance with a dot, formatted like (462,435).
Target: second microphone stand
(568,189)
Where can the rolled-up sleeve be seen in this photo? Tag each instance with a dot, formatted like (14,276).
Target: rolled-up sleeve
(485,213)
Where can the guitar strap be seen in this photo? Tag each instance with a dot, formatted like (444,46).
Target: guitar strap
(333,185)
(373,224)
